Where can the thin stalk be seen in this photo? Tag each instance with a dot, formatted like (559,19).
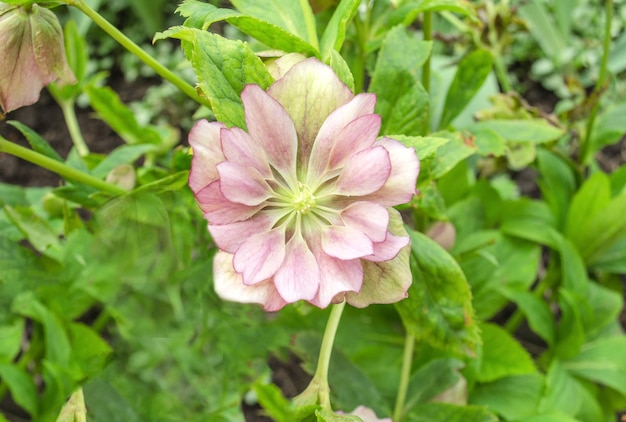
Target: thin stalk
(58,167)
(323,362)
(69,113)
(427,29)
(501,72)
(606,47)
(125,42)
(407,362)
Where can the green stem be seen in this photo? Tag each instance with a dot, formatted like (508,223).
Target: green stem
(427,29)
(323,362)
(407,361)
(501,72)
(606,46)
(309,21)
(69,113)
(125,42)
(58,167)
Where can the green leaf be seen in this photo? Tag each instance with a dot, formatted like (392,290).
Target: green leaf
(425,146)
(74,410)
(502,356)
(542,27)
(470,76)
(421,386)
(295,17)
(537,312)
(438,310)
(449,413)
(335,32)
(122,120)
(514,398)
(36,142)
(271,398)
(561,393)
(409,10)
(489,143)
(89,350)
(10,340)
(172,182)
(570,332)
(126,154)
(341,68)
(324,415)
(557,184)
(602,361)
(610,127)
(451,154)
(535,131)
(21,386)
(35,229)
(105,403)
(223,68)
(401,100)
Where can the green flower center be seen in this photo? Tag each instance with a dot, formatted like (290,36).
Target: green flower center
(303,199)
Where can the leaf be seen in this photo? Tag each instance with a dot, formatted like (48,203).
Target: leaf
(449,413)
(125,154)
(271,398)
(489,143)
(514,398)
(561,393)
(401,100)
(122,120)
(570,331)
(425,146)
(21,386)
(106,404)
(341,68)
(74,410)
(535,131)
(502,356)
(36,142)
(36,230)
(223,68)
(89,350)
(409,10)
(543,29)
(537,312)
(470,76)
(10,340)
(335,32)
(295,17)
(557,184)
(432,379)
(602,361)
(450,154)
(438,310)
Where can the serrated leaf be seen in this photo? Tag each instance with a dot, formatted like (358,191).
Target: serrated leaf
(438,310)
(341,68)
(425,146)
(401,100)
(470,76)
(223,68)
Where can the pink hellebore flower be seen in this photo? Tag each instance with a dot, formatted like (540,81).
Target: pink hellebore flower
(300,204)
(367,415)
(32,54)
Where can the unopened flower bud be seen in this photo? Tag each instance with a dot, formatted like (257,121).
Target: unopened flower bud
(32,54)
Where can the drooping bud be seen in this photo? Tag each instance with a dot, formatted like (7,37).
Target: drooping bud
(32,54)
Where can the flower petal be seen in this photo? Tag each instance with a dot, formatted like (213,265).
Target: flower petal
(229,237)
(400,186)
(219,210)
(329,133)
(357,136)
(309,92)
(204,138)
(365,172)
(240,148)
(368,217)
(229,286)
(388,249)
(336,276)
(299,276)
(346,243)
(271,127)
(260,256)
(243,185)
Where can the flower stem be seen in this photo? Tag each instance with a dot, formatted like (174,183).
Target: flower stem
(606,46)
(407,360)
(500,70)
(55,166)
(125,42)
(323,362)
(69,113)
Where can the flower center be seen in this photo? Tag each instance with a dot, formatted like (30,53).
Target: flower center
(303,199)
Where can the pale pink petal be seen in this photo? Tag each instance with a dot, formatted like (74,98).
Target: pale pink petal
(229,286)
(309,92)
(388,249)
(240,148)
(365,172)
(229,237)
(346,243)
(219,210)
(260,256)
(359,135)
(299,276)
(204,139)
(329,133)
(336,276)
(400,186)
(271,127)
(368,217)
(243,185)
